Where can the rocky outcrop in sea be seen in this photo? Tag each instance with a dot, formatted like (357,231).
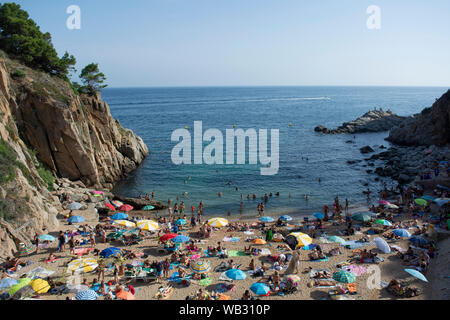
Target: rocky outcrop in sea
(372,121)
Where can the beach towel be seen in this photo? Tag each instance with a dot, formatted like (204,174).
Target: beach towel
(265,252)
(224,266)
(205,282)
(309,247)
(195,257)
(341,264)
(176,278)
(320,260)
(356,270)
(222,287)
(236,253)
(249,232)
(82,251)
(233,239)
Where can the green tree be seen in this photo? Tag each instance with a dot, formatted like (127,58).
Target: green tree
(92,79)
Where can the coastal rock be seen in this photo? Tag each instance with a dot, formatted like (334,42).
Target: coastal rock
(430,127)
(366,149)
(372,121)
(138,204)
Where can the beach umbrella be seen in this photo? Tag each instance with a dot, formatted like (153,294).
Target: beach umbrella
(298,239)
(416,274)
(148,225)
(293,279)
(108,252)
(392,206)
(318,215)
(77,288)
(125,207)
(236,274)
(260,289)
(87,295)
(125,223)
(26,249)
(441,201)
(266,219)
(180,222)
(286,218)
(21,283)
(148,208)
(119,216)
(25,291)
(337,239)
(40,286)
(402,233)
(259,241)
(428,198)
(76,219)
(344,276)
(40,272)
(110,206)
(383,222)
(382,245)
(180,239)
(125,295)
(217,222)
(363,217)
(83,264)
(7,283)
(168,236)
(418,240)
(74,206)
(384,202)
(200,266)
(421,202)
(116,203)
(46,237)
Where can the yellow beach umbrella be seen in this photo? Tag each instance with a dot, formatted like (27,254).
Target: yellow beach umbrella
(83,264)
(125,223)
(217,222)
(302,238)
(40,286)
(148,225)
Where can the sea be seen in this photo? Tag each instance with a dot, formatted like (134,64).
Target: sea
(304,155)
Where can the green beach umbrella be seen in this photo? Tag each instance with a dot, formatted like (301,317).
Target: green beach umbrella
(363,217)
(383,222)
(421,202)
(148,208)
(337,239)
(22,283)
(344,276)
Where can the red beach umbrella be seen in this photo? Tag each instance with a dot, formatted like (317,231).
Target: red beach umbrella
(168,236)
(110,206)
(125,207)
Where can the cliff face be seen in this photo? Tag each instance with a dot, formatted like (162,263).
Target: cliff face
(42,121)
(431,127)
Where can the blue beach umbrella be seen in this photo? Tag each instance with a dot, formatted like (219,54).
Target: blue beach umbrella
(337,239)
(428,198)
(418,240)
(76,219)
(7,283)
(402,233)
(148,208)
(180,222)
(260,289)
(318,215)
(119,216)
(286,218)
(47,237)
(382,245)
(441,201)
(416,274)
(86,295)
(236,274)
(266,219)
(180,239)
(108,252)
(383,222)
(74,206)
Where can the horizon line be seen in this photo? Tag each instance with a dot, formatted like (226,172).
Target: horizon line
(273,86)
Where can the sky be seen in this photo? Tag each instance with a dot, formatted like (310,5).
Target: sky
(160,43)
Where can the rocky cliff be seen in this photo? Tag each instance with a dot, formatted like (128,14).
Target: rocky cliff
(372,121)
(431,127)
(47,130)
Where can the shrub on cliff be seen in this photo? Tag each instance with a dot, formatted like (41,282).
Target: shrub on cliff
(92,79)
(21,37)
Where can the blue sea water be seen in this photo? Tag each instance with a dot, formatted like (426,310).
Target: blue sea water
(154,113)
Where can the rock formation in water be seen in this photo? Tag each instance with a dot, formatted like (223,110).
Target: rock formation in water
(372,121)
(430,127)
(47,131)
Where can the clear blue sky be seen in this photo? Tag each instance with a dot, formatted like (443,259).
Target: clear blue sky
(254,42)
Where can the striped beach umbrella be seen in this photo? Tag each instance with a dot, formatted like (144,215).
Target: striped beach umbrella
(125,223)
(46,237)
(402,233)
(148,208)
(86,295)
(26,249)
(200,266)
(40,286)
(421,202)
(236,274)
(82,265)
(301,239)
(344,276)
(180,222)
(148,225)
(260,289)
(126,207)
(286,218)
(116,203)
(119,216)
(76,219)
(266,219)
(110,206)
(74,206)
(293,279)
(383,222)
(217,222)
